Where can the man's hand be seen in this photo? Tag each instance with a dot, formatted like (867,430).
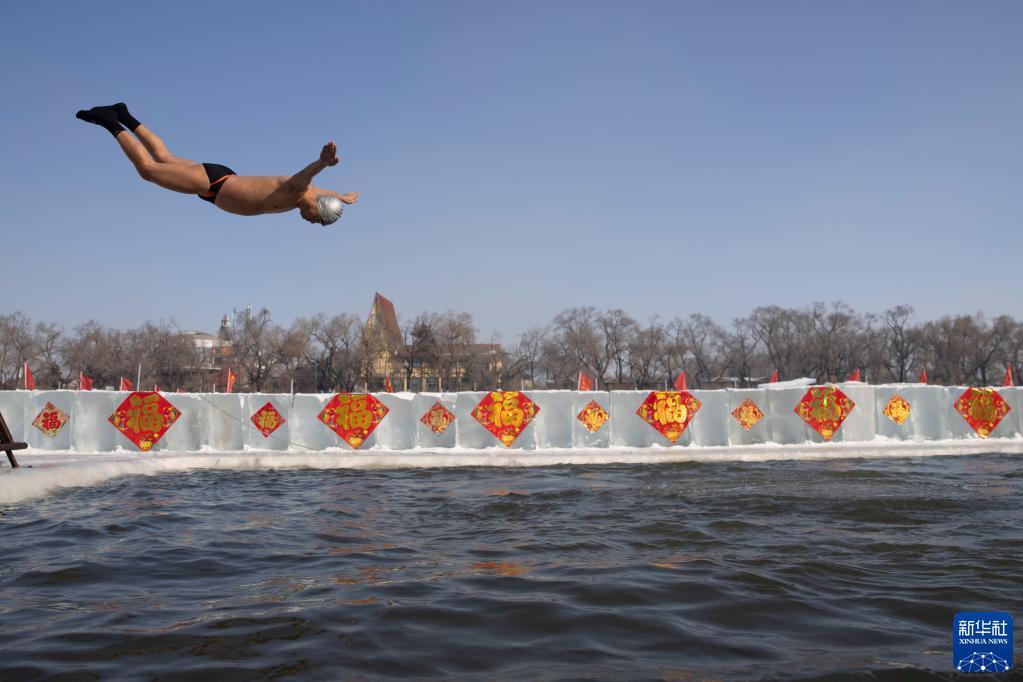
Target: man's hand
(328,157)
(299,182)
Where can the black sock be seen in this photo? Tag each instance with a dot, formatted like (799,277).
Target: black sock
(125,118)
(104,117)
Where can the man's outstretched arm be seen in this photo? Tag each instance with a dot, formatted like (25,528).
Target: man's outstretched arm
(299,182)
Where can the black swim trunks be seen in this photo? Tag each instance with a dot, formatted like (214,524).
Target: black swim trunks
(217,174)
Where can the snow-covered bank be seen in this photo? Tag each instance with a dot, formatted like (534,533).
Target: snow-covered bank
(44,473)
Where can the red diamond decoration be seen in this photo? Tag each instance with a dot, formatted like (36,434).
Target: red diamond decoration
(353,416)
(505,414)
(897,409)
(438,418)
(669,412)
(824,408)
(593,416)
(267,419)
(144,417)
(747,414)
(51,420)
(982,408)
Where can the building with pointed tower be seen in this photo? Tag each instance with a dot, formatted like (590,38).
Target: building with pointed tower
(428,363)
(383,339)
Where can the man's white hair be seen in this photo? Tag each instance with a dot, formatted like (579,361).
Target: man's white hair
(330,208)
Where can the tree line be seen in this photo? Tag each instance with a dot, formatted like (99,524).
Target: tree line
(439,351)
(319,353)
(822,341)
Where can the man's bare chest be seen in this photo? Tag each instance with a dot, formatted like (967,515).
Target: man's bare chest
(252,195)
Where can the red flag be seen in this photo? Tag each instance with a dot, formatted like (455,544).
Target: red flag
(30,381)
(680,381)
(230,380)
(126,385)
(84,382)
(1006,382)
(585,382)
(388,386)
(923,377)
(854,375)
(774,377)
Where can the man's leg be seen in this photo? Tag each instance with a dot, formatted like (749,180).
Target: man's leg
(181,176)
(157,148)
(178,177)
(153,143)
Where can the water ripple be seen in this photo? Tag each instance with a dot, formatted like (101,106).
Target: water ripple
(691,571)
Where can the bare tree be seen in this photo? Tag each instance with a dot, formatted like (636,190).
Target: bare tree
(1014,353)
(17,345)
(292,349)
(48,372)
(617,330)
(488,366)
(945,342)
(866,347)
(702,335)
(338,351)
(577,330)
(901,342)
(454,337)
(676,357)
(256,338)
(420,349)
(989,350)
(780,334)
(646,348)
(525,362)
(168,358)
(98,352)
(739,352)
(560,360)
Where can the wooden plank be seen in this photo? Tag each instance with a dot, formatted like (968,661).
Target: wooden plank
(5,433)
(9,444)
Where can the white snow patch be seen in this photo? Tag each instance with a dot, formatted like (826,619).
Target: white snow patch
(44,473)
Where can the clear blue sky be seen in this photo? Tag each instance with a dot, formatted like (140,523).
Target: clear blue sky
(519,158)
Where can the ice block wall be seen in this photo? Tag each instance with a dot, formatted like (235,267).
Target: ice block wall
(220,422)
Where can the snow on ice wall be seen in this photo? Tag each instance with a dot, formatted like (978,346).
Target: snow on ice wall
(222,422)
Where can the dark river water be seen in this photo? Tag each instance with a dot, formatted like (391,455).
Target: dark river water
(843,569)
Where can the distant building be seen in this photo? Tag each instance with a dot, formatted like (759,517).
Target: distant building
(384,340)
(472,366)
(214,356)
(389,356)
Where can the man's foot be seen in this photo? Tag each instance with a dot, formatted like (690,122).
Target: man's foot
(124,117)
(104,117)
(94,115)
(349,198)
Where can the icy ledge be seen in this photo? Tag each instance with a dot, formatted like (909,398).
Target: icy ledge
(45,473)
